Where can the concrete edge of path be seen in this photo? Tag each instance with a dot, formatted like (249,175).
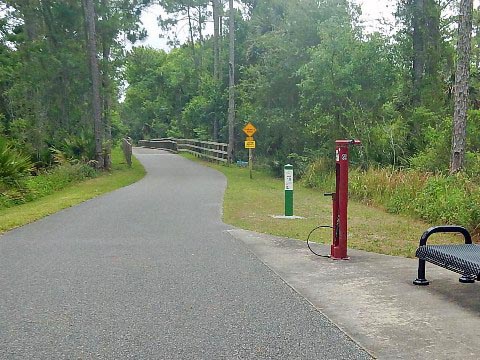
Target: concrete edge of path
(243,236)
(372,299)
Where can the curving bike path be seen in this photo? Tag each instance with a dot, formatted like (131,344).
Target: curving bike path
(150,272)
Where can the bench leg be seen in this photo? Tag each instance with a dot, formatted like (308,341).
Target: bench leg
(420,280)
(468,279)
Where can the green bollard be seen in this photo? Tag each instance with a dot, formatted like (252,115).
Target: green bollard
(288,172)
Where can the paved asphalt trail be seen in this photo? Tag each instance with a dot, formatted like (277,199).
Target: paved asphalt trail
(149,272)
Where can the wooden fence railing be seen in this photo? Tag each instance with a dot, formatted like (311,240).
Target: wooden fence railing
(204,149)
(127,150)
(168,144)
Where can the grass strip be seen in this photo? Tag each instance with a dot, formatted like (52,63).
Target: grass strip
(120,175)
(250,204)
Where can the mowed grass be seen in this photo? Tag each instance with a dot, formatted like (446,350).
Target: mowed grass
(120,175)
(250,204)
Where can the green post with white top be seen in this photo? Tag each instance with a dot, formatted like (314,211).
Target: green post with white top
(288,172)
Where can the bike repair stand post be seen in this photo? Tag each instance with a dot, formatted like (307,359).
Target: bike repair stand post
(338,250)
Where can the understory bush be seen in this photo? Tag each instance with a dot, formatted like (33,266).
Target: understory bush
(319,174)
(13,164)
(450,200)
(34,187)
(299,163)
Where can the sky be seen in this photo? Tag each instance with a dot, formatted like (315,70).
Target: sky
(372,11)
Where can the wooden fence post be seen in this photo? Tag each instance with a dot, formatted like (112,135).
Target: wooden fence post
(127,150)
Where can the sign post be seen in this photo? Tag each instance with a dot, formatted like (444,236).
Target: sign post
(250,163)
(250,144)
(288,172)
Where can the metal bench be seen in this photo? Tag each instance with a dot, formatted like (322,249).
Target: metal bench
(461,258)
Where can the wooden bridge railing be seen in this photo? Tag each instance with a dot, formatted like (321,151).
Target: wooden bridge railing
(168,144)
(204,149)
(127,150)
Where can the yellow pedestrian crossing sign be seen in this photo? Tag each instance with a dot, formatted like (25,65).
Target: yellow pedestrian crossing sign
(249,129)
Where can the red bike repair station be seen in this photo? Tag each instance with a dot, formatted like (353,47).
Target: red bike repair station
(338,249)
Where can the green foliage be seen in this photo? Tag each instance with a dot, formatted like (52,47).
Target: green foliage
(299,163)
(45,83)
(195,118)
(318,174)
(307,73)
(13,164)
(80,147)
(395,190)
(435,156)
(34,187)
(450,200)
(433,141)
(343,97)
(422,44)
(146,107)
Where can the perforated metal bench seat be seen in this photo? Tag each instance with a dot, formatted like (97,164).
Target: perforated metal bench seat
(460,258)
(463,258)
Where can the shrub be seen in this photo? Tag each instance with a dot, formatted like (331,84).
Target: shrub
(57,179)
(34,187)
(319,174)
(450,200)
(13,164)
(300,164)
(393,189)
(435,156)
(80,147)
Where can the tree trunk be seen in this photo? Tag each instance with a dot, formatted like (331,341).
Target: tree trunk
(418,49)
(107,96)
(95,78)
(200,24)
(424,19)
(220,37)
(462,74)
(107,105)
(216,35)
(190,29)
(216,57)
(30,18)
(231,86)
